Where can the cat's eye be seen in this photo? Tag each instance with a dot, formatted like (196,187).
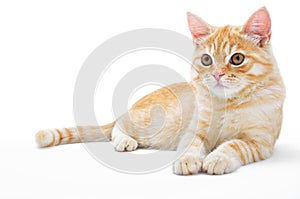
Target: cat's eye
(206,60)
(237,59)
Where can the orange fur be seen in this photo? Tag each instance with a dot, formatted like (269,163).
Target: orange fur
(223,123)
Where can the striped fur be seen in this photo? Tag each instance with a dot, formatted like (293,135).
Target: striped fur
(219,123)
(53,137)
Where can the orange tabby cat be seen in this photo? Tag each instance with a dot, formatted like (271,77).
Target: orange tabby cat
(229,114)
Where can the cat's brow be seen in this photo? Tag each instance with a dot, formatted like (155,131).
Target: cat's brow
(211,49)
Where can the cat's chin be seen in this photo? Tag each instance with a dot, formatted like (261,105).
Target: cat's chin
(224,92)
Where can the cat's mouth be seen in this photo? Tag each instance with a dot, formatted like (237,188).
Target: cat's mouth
(220,85)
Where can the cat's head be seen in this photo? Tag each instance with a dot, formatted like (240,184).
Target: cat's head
(231,59)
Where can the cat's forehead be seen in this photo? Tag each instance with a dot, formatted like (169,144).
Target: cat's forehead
(224,40)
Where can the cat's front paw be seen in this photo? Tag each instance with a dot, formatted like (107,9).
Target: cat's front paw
(124,143)
(220,163)
(188,164)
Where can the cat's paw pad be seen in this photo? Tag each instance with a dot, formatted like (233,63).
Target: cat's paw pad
(188,164)
(124,143)
(219,163)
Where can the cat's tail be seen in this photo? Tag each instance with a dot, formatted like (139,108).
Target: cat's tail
(53,137)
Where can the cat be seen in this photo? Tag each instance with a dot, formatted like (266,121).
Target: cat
(229,115)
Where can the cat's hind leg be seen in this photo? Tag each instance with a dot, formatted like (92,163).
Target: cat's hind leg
(121,141)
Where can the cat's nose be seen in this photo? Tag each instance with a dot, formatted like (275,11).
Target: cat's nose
(217,75)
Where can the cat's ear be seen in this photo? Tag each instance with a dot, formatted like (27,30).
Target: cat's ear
(198,27)
(258,27)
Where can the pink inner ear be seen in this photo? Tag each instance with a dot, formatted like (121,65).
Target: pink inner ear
(259,24)
(198,27)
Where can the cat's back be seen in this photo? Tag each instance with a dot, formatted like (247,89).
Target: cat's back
(168,97)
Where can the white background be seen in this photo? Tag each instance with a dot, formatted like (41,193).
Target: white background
(42,47)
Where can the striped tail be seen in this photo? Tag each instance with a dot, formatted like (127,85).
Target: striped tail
(53,137)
